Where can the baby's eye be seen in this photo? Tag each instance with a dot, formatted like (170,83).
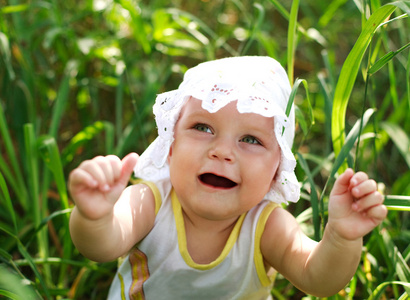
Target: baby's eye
(203,127)
(250,140)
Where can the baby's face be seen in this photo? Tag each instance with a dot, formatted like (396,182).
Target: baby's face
(223,163)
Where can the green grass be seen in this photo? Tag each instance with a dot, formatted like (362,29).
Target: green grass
(78,79)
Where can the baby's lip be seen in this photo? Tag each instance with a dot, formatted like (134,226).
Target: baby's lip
(217,181)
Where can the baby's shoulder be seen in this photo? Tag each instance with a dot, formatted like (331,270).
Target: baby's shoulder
(280,226)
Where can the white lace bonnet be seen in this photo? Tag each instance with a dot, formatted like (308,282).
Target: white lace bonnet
(258,84)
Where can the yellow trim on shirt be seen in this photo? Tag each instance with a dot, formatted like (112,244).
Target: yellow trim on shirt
(121,279)
(155,191)
(183,249)
(260,227)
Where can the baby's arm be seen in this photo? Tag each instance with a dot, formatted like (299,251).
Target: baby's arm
(108,219)
(322,269)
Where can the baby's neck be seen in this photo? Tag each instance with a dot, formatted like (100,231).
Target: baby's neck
(206,239)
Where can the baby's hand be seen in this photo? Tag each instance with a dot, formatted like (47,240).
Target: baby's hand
(355,205)
(97,184)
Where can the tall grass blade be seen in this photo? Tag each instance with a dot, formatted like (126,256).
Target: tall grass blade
(109,137)
(23,251)
(37,206)
(314,200)
(256,28)
(394,202)
(9,204)
(9,9)
(6,54)
(292,96)
(332,8)
(282,10)
(137,23)
(9,176)
(311,34)
(81,138)
(119,100)
(33,267)
(12,287)
(33,184)
(48,150)
(397,264)
(403,5)
(62,97)
(379,289)
(201,24)
(348,76)
(292,39)
(385,59)
(399,138)
(54,215)
(348,146)
(408,87)
(18,184)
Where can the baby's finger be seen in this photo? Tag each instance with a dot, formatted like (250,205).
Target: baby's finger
(78,177)
(342,183)
(128,164)
(106,167)
(115,166)
(357,179)
(378,213)
(368,201)
(364,188)
(95,170)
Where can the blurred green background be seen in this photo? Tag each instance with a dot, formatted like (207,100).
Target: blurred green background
(79,78)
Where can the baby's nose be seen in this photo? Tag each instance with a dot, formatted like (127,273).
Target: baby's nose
(223,149)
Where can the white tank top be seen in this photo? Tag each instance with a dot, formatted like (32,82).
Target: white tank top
(160,267)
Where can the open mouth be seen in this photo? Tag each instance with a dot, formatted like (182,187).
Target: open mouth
(217,181)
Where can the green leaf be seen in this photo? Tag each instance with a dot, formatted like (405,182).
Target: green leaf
(349,73)
(385,59)
(9,9)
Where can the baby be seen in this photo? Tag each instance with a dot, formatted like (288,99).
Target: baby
(205,220)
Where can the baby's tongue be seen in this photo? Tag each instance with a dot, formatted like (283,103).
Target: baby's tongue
(217,181)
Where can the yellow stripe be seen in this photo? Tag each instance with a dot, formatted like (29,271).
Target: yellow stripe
(183,249)
(122,286)
(260,227)
(140,273)
(155,191)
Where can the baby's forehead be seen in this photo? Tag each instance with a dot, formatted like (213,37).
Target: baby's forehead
(193,107)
